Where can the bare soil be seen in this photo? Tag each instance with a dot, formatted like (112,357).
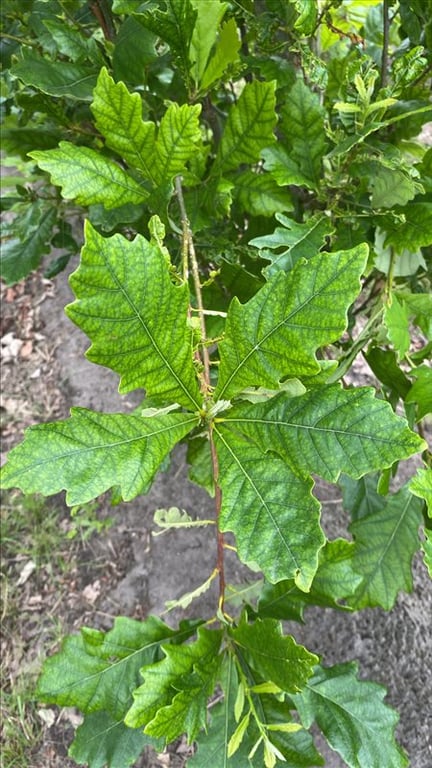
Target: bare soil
(129,571)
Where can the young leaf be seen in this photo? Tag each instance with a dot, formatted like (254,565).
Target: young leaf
(226,53)
(303,126)
(178,136)
(97,671)
(93,452)
(135,317)
(276,333)
(272,655)
(421,485)
(352,717)
(385,544)
(20,257)
(396,320)
(427,550)
(299,240)
(118,116)
(88,177)
(209,16)
(173,697)
(328,431)
(249,127)
(271,512)
(102,741)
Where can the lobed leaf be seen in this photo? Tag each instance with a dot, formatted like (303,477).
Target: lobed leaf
(173,697)
(352,716)
(300,241)
(327,431)
(97,671)
(421,486)
(135,317)
(259,195)
(93,452)
(209,16)
(178,136)
(276,333)
(271,511)
(101,741)
(175,25)
(57,78)
(20,257)
(118,116)
(226,54)
(274,656)
(87,177)
(386,541)
(249,127)
(303,126)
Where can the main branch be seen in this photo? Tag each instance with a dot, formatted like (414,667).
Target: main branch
(189,249)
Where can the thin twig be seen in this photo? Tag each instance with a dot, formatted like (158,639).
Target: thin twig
(385,48)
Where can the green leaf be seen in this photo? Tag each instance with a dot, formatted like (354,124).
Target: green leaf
(352,716)
(360,497)
(118,115)
(415,229)
(88,177)
(173,698)
(178,136)
(420,307)
(421,391)
(271,511)
(307,19)
(386,541)
(93,452)
(175,25)
(102,741)
(334,581)
(20,257)
(421,485)
(135,317)
(391,186)
(278,162)
(303,126)
(276,333)
(396,320)
(249,127)
(328,431)
(134,51)
(383,363)
(259,195)
(226,54)
(300,241)
(272,655)
(427,550)
(70,42)
(209,16)
(57,78)
(97,671)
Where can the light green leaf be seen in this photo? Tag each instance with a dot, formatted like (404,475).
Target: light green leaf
(276,333)
(238,735)
(308,14)
(386,541)
(420,307)
(279,163)
(391,186)
(185,600)
(88,177)
(209,16)
(421,485)
(352,716)
(91,452)
(271,512)
(118,116)
(259,195)
(303,126)
(327,431)
(272,655)
(334,581)
(427,550)
(135,317)
(102,741)
(421,391)
(178,137)
(299,241)
(226,54)
(175,25)
(413,232)
(20,257)
(173,697)
(97,671)
(396,320)
(249,127)
(57,78)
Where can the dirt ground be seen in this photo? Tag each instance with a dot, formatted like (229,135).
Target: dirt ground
(127,570)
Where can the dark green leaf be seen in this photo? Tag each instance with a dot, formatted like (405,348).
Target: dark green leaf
(20,257)
(93,452)
(421,391)
(303,126)
(102,741)
(226,54)
(276,334)
(259,195)
(415,229)
(285,170)
(271,511)
(299,241)
(57,78)
(352,716)
(135,317)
